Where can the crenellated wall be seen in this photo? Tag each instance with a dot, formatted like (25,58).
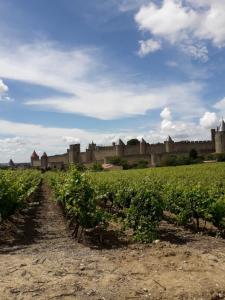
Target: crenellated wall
(157,148)
(132,153)
(199,146)
(132,150)
(101,152)
(62,158)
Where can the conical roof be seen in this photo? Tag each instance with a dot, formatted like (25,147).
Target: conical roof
(169,139)
(222,126)
(11,163)
(34,155)
(121,143)
(44,154)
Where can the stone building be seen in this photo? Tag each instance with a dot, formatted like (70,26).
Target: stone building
(218,136)
(132,153)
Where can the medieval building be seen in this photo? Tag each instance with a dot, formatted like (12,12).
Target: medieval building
(132,153)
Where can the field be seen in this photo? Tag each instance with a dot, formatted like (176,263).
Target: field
(138,199)
(138,234)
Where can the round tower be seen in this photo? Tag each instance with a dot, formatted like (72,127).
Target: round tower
(120,148)
(34,159)
(143,147)
(220,138)
(44,161)
(169,143)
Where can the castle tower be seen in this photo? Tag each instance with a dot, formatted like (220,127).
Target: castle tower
(120,148)
(11,164)
(220,138)
(74,154)
(213,134)
(90,152)
(169,145)
(44,161)
(34,158)
(143,146)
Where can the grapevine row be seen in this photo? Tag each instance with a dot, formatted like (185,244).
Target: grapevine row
(138,198)
(15,188)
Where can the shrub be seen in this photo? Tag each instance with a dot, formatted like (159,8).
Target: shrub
(145,213)
(193,154)
(97,167)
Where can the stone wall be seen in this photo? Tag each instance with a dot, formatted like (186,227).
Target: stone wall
(220,142)
(132,150)
(36,163)
(83,157)
(100,153)
(63,158)
(157,148)
(200,147)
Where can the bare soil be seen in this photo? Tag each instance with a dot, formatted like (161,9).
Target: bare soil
(40,260)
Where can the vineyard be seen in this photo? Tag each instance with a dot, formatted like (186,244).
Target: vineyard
(113,235)
(15,188)
(139,199)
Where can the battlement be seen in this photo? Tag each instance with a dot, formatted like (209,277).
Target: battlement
(105,148)
(137,149)
(193,142)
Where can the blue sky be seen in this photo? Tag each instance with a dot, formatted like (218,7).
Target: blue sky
(77,71)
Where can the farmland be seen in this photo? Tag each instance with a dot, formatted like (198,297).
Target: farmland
(15,188)
(191,194)
(137,234)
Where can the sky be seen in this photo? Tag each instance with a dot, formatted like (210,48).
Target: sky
(77,71)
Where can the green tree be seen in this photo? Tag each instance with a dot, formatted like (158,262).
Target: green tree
(133,142)
(193,154)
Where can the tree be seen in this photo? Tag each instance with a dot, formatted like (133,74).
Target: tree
(133,142)
(193,154)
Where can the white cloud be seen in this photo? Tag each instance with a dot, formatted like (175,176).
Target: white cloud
(112,102)
(197,52)
(23,138)
(166,114)
(71,140)
(186,130)
(3,87)
(3,91)
(89,89)
(220,104)
(185,22)
(148,46)
(209,120)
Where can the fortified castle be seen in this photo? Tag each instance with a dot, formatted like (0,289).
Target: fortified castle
(152,153)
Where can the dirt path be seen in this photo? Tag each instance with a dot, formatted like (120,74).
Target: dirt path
(45,263)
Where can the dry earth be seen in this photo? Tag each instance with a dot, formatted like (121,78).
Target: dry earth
(43,262)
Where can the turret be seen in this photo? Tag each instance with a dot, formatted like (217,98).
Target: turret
(120,148)
(44,161)
(220,138)
(143,147)
(34,158)
(11,164)
(213,133)
(169,145)
(74,154)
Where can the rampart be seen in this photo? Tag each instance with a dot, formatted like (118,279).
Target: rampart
(138,151)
